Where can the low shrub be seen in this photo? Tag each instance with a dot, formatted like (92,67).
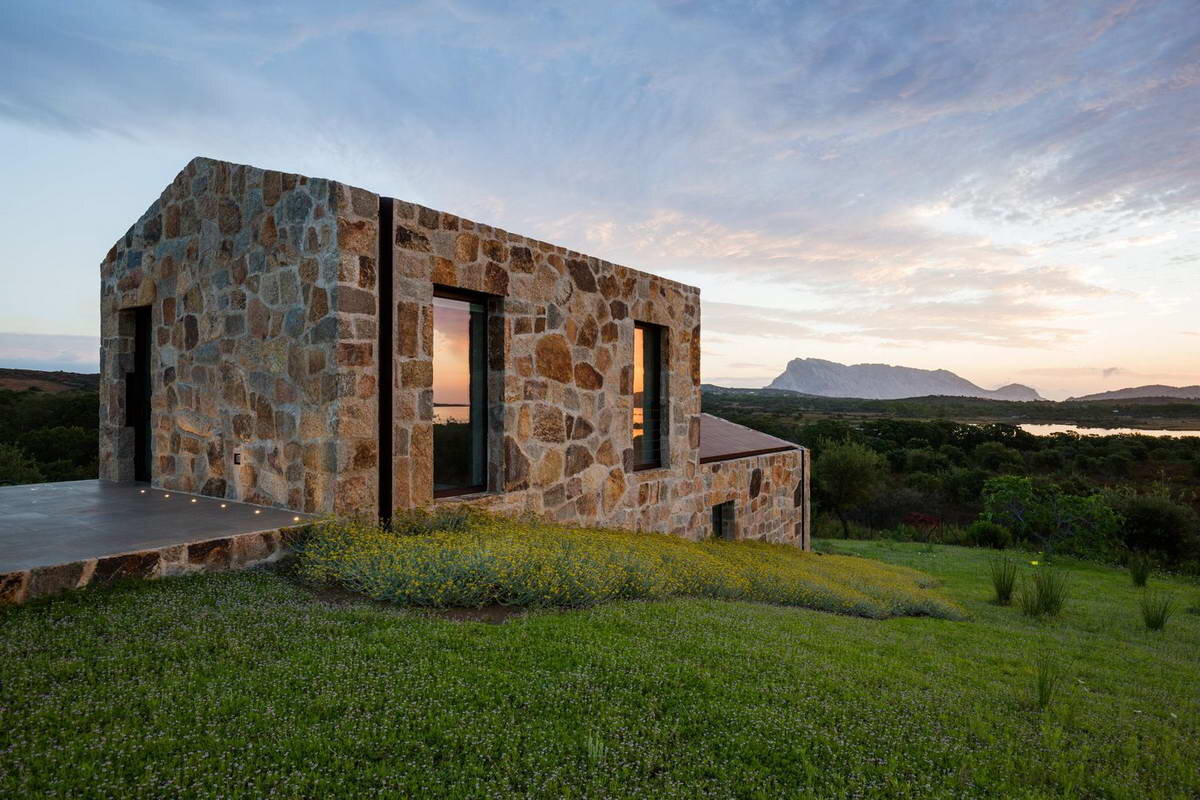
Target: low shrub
(1139,568)
(983,533)
(1159,524)
(484,560)
(16,467)
(1004,578)
(1046,682)
(1044,592)
(1157,607)
(1040,513)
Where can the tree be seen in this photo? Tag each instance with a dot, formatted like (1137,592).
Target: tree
(16,467)
(1159,524)
(1042,514)
(848,473)
(999,458)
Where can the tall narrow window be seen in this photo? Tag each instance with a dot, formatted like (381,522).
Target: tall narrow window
(649,396)
(459,395)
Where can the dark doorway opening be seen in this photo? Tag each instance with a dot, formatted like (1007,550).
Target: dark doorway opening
(137,394)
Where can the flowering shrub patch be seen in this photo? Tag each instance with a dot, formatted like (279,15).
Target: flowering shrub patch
(470,559)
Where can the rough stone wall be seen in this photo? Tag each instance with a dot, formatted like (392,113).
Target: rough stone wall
(237,551)
(561,362)
(261,286)
(770,492)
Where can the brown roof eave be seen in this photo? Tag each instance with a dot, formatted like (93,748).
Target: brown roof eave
(747,454)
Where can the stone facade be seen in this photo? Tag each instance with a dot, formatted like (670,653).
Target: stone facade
(265,290)
(560,358)
(261,289)
(770,493)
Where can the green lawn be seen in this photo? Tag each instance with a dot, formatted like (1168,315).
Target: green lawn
(246,685)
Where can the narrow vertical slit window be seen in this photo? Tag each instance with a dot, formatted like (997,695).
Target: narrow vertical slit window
(649,396)
(459,394)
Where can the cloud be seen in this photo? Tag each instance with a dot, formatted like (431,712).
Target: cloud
(50,351)
(915,172)
(996,322)
(1101,372)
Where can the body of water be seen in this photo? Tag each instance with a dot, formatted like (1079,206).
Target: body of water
(1047,429)
(443,413)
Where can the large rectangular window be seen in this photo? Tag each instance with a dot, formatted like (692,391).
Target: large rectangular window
(649,396)
(459,394)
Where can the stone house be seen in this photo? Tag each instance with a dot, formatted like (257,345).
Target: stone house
(301,343)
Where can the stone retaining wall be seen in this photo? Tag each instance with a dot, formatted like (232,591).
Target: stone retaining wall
(229,552)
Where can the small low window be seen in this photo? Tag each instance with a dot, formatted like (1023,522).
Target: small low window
(723,525)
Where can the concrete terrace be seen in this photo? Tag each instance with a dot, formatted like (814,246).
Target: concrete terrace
(58,536)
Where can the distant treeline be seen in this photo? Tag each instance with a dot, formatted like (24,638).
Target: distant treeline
(48,436)
(1144,412)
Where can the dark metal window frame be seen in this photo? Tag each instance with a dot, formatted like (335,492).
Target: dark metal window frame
(385,347)
(139,386)
(479,381)
(724,520)
(659,334)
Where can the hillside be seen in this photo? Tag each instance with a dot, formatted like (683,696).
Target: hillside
(1153,390)
(817,376)
(247,685)
(21,379)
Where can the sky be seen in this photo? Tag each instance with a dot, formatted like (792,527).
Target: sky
(1006,190)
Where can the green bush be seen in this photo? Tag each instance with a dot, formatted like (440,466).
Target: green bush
(483,560)
(1044,592)
(1042,515)
(72,444)
(1157,607)
(983,533)
(17,468)
(1046,682)
(925,460)
(1004,578)
(1158,524)
(996,457)
(964,484)
(1139,568)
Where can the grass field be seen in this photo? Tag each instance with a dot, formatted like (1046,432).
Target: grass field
(249,685)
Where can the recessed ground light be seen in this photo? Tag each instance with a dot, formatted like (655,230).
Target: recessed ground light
(166,495)
(222,505)
(193,499)
(258,511)
(295,519)
(143,491)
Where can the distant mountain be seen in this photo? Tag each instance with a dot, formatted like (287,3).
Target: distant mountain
(1153,390)
(47,381)
(885,382)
